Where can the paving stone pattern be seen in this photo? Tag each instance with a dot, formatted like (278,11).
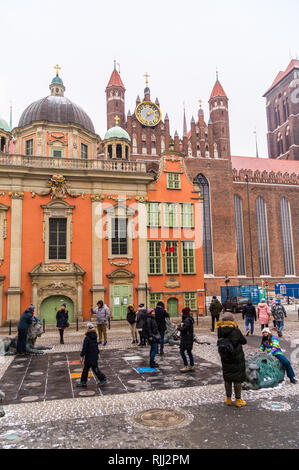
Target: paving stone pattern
(54,376)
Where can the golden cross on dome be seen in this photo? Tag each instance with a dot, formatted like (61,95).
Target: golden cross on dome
(57,68)
(146,75)
(200,103)
(117,119)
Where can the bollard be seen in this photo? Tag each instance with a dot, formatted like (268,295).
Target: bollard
(44,325)
(109,326)
(9,328)
(77,321)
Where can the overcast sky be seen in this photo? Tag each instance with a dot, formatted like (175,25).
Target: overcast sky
(179,43)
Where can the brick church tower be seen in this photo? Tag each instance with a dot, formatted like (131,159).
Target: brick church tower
(219,119)
(115,98)
(282,105)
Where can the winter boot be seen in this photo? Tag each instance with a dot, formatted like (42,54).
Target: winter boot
(81,384)
(153,365)
(192,368)
(239,402)
(185,369)
(228,401)
(102,382)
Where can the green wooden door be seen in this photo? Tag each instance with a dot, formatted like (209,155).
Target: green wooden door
(51,305)
(120,301)
(172,307)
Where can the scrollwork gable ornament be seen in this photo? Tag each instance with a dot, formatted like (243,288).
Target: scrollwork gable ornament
(58,189)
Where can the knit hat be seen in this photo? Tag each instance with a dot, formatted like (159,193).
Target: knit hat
(151,310)
(90,326)
(266,330)
(63,305)
(214,297)
(277,300)
(228,317)
(31,308)
(100,302)
(141,305)
(186,311)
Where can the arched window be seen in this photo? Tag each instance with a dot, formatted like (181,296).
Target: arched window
(287,238)
(207,229)
(262,232)
(239,235)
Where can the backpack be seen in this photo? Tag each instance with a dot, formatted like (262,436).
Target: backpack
(225,347)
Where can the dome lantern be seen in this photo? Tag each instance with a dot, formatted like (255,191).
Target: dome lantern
(117,142)
(57,87)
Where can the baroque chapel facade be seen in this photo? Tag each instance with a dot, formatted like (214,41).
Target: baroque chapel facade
(140,215)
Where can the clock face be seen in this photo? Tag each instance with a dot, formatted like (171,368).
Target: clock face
(148,113)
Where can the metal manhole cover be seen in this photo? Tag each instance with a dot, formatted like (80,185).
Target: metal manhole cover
(163,419)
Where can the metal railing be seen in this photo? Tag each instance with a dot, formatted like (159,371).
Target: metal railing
(71,163)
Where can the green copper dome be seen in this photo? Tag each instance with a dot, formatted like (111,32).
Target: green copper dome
(117,132)
(57,81)
(4,125)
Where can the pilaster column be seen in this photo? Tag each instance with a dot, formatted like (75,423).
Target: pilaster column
(97,248)
(143,252)
(1,299)
(79,284)
(14,291)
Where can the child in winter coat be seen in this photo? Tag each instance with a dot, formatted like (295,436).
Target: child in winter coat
(263,313)
(90,355)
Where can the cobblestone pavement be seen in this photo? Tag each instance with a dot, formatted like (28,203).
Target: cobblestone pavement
(108,421)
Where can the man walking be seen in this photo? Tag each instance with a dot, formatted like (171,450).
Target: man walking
(249,313)
(102,314)
(278,312)
(215,310)
(160,316)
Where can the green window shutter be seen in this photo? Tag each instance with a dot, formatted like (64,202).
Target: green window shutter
(170,214)
(190,300)
(187,217)
(154,257)
(153,214)
(188,258)
(173,181)
(172,257)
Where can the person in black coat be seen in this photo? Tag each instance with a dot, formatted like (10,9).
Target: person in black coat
(140,319)
(233,363)
(249,313)
(160,316)
(23,326)
(151,333)
(90,355)
(187,338)
(62,318)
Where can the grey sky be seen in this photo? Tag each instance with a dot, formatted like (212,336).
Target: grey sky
(179,43)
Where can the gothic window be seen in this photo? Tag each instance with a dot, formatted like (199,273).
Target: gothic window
(287,107)
(284,111)
(287,139)
(262,231)
(162,144)
(207,228)
(134,144)
(239,235)
(287,238)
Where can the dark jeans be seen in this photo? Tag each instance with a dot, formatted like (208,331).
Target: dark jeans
(287,365)
(153,352)
(279,325)
(94,368)
(142,338)
(249,321)
(214,318)
(182,352)
(21,343)
(162,334)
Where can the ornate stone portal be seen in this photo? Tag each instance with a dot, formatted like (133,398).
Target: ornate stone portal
(58,279)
